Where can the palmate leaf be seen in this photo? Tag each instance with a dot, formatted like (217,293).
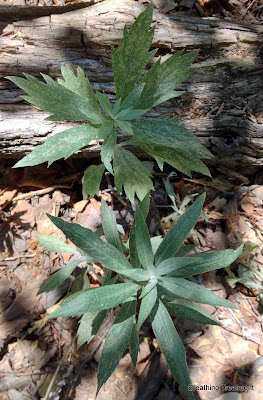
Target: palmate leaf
(125,111)
(171,346)
(61,145)
(207,262)
(116,342)
(161,80)
(191,291)
(176,235)
(80,85)
(96,299)
(132,55)
(187,310)
(167,141)
(57,99)
(131,174)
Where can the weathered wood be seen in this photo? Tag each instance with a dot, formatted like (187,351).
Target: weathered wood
(223,102)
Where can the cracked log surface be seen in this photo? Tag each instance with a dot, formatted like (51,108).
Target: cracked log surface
(223,103)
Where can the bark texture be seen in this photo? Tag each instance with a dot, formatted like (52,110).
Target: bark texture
(223,103)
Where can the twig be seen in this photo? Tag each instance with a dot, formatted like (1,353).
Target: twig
(120,389)
(260,317)
(147,361)
(114,192)
(58,368)
(40,192)
(52,381)
(19,256)
(250,5)
(82,365)
(235,318)
(239,334)
(2,373)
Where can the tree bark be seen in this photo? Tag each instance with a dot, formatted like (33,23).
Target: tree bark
(223,103)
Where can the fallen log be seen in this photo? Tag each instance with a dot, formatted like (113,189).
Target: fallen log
(223,103)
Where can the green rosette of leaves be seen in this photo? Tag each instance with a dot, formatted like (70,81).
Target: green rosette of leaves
(152,282)
(73,99)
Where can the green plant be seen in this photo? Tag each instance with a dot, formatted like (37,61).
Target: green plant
(72,99)
(247,274)
(155,281)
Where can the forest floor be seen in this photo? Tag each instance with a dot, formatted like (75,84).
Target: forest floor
(31,359)
(40,360)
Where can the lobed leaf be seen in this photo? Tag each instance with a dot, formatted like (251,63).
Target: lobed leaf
(108,149)
(162,79)
(58,277)
(171,346)
(91,180)
(176,235)
(132,55)
(80,85)
(63,103)
(96,299)
(129,102)
(208,262)
(116,342)
(172,143)
(191,291)
(131,174)
(61,145)
(104,103)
